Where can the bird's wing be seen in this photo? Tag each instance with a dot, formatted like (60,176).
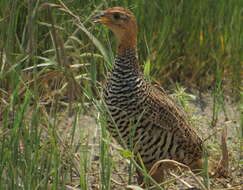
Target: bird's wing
(161,97)
(171,115)
(160,92)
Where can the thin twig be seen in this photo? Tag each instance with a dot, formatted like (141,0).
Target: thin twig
(181,180)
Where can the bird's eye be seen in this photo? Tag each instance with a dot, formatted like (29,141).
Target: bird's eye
(117,16)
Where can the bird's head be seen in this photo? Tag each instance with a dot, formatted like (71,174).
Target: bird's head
(123,24)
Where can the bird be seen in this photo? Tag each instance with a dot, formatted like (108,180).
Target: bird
(141,116)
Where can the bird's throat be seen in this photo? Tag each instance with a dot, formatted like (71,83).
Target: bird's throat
(126,42)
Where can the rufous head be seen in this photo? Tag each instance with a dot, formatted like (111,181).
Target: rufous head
(123,24)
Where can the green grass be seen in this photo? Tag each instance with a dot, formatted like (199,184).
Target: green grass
(53,59)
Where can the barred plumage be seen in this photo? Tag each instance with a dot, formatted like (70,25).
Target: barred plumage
(142,116)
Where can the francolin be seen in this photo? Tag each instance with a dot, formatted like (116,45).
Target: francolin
(141,115)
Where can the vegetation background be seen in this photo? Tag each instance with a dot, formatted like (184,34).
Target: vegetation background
(51,64)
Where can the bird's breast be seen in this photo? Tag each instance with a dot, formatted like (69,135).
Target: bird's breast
(123,90)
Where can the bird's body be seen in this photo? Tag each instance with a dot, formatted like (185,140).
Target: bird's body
(141,116)
(145,118)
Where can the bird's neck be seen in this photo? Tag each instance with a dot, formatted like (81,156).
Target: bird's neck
(123,49)
(126,42)
(127,51)
(127,61)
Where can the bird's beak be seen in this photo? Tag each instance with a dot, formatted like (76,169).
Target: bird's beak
(101,18)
